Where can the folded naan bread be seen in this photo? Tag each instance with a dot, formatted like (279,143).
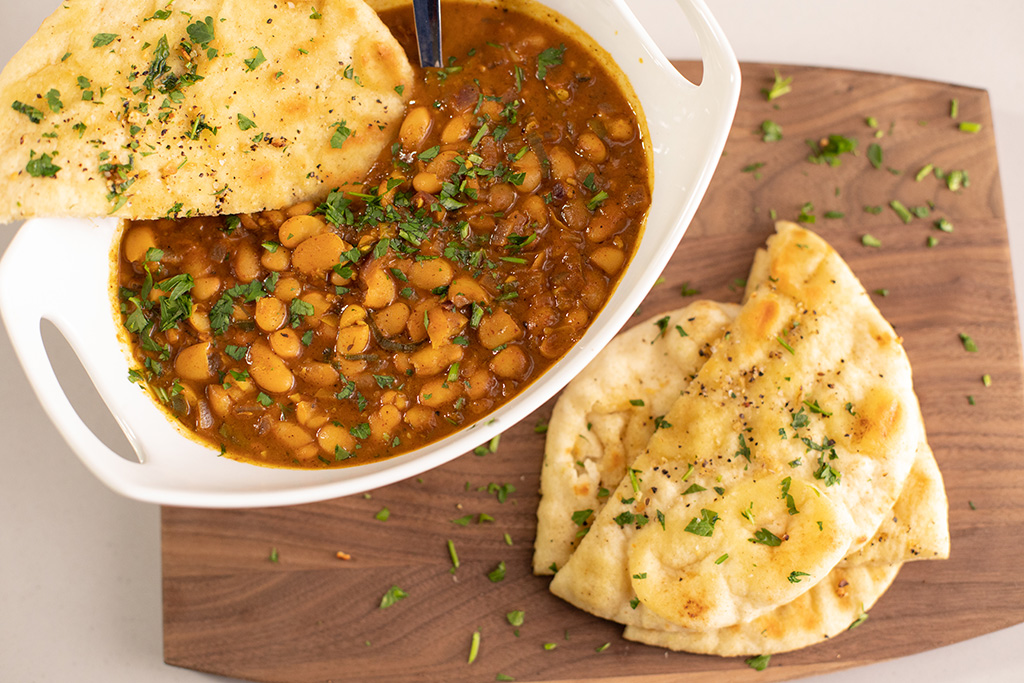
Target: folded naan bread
(827,609)
(151,109)
(606,415)
(781,457)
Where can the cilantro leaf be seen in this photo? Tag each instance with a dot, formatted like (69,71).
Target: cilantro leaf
(551,57)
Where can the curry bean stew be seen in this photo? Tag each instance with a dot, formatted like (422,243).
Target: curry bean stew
(388,315)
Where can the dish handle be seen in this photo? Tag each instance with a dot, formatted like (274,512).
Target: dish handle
(30,294)
(721,79)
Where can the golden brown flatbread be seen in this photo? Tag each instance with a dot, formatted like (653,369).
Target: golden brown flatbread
(151,109)
(824,611)
(783,455)
(606,415)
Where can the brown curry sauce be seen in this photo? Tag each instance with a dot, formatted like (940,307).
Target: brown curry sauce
(481,246)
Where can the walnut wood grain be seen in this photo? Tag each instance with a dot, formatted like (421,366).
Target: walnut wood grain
(312,617)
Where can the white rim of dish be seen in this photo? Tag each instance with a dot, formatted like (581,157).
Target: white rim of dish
(688,127)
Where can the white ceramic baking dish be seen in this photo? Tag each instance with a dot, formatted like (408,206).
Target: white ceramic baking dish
(688,126)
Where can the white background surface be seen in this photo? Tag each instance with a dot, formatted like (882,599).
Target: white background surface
(80,566)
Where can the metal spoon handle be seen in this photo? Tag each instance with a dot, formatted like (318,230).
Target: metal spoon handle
(428,31)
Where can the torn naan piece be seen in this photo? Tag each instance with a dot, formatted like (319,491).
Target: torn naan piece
(606,415)
(783,455)
(153,109)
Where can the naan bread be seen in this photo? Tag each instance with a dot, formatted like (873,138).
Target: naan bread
(917,527)
(824,611)
(99,113)
(606,415)
(807,405)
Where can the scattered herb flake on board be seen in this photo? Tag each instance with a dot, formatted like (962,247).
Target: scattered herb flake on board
(970,400)
(504,677)
(968,343)
(875,155)
(969,127)
(924,172)
(393,595)
(273,555)
(827,150)
(873,210)
(944,225)
(870,241)
(932,241)
(474,647)
(779,87)
(687,290)
(901,210)
(882,292)
(498,573)
(771,131)
(834,214)
(541,427)
(806,213)
(954,108)
(759,663)
(972,505)
(986,379)
(383,514)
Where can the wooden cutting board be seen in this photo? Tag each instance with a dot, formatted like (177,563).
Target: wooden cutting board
(309,616)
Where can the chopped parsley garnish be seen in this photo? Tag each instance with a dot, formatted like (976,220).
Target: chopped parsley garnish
(33,114)
(815,408)
(102,39)
(41,167)
(764,537)
(870,241)
(968,343)
(703,525)
(341,133)
(549,58)
(251,64)
(759,663)
(771,131)
(498,573)
(829,149)
(201,32)
(785,344)
(581,516)
(245,123)
(662,325)
(743,450)
(53,101)
(795,576)
(393,595)
(875,155)
(780,87)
